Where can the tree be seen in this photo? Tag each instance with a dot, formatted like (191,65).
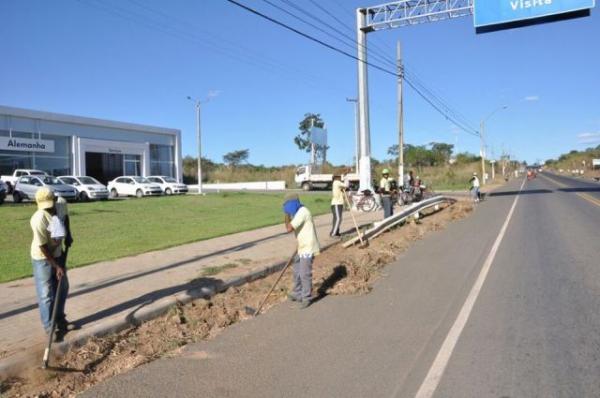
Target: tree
(234,158)
(393,150)
(441,152)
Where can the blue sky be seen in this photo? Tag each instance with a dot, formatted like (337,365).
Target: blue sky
(136,61)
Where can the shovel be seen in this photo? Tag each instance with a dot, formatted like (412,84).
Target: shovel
(53,324)
(255,312)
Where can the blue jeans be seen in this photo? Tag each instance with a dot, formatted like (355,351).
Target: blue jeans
(45,286)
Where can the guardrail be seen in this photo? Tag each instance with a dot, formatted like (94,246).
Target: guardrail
(396,219)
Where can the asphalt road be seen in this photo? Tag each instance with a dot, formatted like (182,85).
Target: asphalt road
(531,327)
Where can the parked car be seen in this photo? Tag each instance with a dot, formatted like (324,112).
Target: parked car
(27,186)
(11,180)
(132,186)
(88,188)
(3,191)
(169,185)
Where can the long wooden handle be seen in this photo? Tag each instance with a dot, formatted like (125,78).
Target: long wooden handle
(275,284)
(353,219)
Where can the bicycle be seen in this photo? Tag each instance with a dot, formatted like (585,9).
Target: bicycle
(366,202)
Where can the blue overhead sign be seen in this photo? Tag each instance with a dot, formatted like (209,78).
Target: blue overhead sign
(496,12)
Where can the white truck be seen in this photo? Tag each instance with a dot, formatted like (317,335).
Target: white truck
(11,180)
(306,180)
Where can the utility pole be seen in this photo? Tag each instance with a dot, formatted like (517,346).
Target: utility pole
(482,151)
(400,73)
(356,137)
(363,102)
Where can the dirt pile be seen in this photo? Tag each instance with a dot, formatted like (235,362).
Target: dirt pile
(337,271)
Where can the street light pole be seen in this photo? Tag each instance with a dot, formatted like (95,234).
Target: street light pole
(356,137)
(199,141)
(482,151)
(482,140)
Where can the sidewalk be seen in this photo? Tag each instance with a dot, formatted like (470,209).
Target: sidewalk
(112,290)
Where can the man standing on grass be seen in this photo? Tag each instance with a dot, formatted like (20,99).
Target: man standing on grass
(299,220)
(46,258)
(337,205)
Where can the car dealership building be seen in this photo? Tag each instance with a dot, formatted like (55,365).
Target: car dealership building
(73,145)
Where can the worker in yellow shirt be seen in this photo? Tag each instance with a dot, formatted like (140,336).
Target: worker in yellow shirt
(298,219)
(48,269)
(337,205)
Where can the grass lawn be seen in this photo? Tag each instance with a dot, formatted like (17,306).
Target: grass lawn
(118,228)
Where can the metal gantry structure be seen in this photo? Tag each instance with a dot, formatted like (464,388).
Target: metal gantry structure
(389,16)
(412,12)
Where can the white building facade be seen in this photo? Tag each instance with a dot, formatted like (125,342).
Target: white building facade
(72,145)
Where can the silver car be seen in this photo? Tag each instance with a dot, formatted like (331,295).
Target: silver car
(27,186)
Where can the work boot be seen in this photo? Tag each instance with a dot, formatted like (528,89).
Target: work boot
(65,326)
(305,303)
(58,336)
(291,297)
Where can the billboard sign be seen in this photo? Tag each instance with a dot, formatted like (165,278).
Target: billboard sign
(318,136)
(498,12)
(26,144)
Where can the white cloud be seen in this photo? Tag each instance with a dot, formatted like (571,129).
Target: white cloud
(532,98)
(589,138)
(588,135)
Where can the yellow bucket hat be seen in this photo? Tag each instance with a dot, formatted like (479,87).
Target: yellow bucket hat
(44,198)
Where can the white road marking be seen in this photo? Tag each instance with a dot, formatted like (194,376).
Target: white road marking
(434,376)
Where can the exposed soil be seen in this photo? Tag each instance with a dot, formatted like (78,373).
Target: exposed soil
(337,271)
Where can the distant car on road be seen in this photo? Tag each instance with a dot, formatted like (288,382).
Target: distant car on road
(133,186)
(88,188)
(169,185)
(11,180)
(28,185)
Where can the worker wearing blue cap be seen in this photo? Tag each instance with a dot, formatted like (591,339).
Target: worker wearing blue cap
(298,219)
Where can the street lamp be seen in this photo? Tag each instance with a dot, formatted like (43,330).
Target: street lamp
(199,140)
(356,138)
(482,140)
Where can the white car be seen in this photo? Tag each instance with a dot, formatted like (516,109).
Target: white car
(169,185)
(133,186)
(88,188)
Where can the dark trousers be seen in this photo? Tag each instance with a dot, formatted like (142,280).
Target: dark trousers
(388,207)
(336,211)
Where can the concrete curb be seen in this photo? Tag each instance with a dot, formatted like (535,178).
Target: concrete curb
(12,366)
